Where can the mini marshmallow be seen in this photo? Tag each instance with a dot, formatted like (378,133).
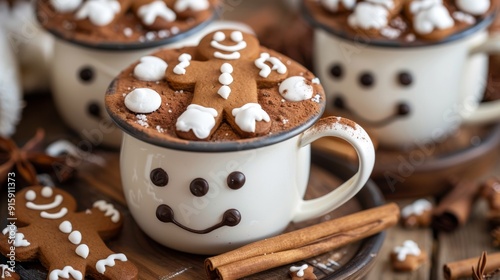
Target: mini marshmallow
(296,88)
(143,100)
(436,17)
(333,5)
(65,6)
(193,5)
(150,69)
(474,7)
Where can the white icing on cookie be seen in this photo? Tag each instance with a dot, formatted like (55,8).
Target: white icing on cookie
(150,69)
(474,7)
(296,88)
(193,5)
(66,227)
(416,208)
(65,273)
(75,237)
(65,6)
(109,261)
(57,201)
(54,216)
(230,56)
(225,79)
(99,12)
(237,37)
(333,5)
(30,195)
(265,70)
(149,12)
(47,192)
(436,17)
(367,15)
(143,100)
(180,69)
(108,209)
(299,269)
(409,247)
(82,250)
(247,115)
(20,241)
(197,118)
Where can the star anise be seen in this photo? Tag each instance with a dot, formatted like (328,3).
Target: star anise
(479,272)
(27,161)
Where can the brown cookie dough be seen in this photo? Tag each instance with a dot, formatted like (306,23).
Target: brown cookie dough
(66,242)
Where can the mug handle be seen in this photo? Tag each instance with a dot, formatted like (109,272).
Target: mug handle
(356,137)
(488,111)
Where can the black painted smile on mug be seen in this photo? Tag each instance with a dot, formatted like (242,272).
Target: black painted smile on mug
(198,187)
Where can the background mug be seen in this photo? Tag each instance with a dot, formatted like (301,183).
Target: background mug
(271,176)
(81,74)
(418,93)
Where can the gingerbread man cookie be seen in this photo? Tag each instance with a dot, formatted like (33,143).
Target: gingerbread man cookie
(407,257)
(225,76)
(68,243)
(303,272)
(417,214)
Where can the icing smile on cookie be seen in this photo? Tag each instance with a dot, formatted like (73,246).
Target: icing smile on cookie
(46,192)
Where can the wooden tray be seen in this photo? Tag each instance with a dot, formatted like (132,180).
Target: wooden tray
(157,262)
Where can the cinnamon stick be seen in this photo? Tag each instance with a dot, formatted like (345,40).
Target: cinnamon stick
(491,192)
(454,209)
(463,268)
(301,244)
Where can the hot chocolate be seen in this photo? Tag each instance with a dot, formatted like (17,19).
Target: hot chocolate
(229,88)
(410,22)
(123,22)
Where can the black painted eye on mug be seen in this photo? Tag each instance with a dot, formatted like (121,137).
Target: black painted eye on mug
(199,187)
(405,78)
(366,79)
(159,177)
(336,71)
(236,180)
(86,74)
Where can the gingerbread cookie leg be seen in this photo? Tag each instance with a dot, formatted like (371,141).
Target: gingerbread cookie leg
(156,14)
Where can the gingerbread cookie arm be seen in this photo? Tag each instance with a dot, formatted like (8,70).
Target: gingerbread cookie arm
(22,242)
(270,70)
(103,218)
(183,73)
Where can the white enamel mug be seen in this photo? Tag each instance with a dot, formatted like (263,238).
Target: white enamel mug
(417,93)
(81,74)
(211,197)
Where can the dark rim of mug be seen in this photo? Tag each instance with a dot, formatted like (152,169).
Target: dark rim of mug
(121,46)
(206,146)
(480,24)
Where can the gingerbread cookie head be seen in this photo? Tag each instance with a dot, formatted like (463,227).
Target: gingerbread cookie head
(229,45)
(43,202)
